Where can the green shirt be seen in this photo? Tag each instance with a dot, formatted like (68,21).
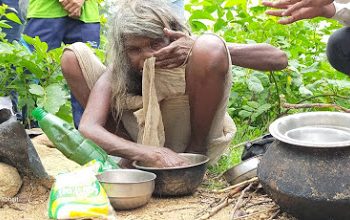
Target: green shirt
(53,9)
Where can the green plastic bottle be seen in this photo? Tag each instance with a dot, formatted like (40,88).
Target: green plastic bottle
(69,140)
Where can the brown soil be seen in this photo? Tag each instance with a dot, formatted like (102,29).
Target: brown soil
(31,202)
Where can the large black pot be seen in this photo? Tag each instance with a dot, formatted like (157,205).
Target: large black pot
(309,178)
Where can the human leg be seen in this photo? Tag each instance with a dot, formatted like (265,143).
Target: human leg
(49,30)
(207,75)
(78,31)
(338,50)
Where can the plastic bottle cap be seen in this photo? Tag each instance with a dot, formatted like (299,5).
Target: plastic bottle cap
(39,113)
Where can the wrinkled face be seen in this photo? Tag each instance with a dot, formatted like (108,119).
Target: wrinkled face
(138,49)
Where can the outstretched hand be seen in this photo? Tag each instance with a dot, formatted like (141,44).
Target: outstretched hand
(175,54)
(73,7)
(295,10)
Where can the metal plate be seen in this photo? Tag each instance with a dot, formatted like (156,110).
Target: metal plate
(313,129)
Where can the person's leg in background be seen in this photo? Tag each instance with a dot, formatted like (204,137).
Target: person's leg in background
(78,31)
(49,30)
(338,50)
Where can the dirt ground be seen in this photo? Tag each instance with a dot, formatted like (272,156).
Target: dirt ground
(31,202)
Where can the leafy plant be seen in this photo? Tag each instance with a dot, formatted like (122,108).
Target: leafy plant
(256,96)
(35,76)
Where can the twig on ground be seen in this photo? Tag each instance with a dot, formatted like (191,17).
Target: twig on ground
(176,209)
(274,215)
(259,203)
(217,208)
(240,200)
(254,213)
(254,179)
(224,202)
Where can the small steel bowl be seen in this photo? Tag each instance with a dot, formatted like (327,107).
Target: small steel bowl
(244,171)
(127,188)
(178,181)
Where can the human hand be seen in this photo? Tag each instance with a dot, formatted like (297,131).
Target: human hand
(73,7)
(162,157)
(293,6)
(175,54)
(304,13)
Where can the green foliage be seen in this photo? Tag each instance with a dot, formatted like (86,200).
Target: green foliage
(255,96)
(35,76)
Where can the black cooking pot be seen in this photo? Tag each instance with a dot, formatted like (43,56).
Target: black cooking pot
(307,169)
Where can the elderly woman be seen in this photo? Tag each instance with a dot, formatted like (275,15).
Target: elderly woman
(140,112)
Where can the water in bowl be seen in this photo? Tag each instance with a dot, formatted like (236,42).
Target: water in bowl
(319,135)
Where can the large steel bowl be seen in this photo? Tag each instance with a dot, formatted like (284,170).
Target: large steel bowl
(127,188)
(178,181)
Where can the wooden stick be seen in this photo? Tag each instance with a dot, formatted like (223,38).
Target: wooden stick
(254,179)
(274,215)
(254,213)
(216,209)
(239,201)
(221,204)
(315,105)
(258,203)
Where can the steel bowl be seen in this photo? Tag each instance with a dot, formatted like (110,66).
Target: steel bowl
(243,171)
(178,181)
(313,129)
(127,188)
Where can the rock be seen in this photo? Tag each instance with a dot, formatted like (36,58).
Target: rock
(10,181)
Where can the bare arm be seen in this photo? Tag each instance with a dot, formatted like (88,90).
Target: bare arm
(255,56)
(92,126)
(258,56)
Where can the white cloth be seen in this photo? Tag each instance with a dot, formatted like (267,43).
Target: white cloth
(342,11)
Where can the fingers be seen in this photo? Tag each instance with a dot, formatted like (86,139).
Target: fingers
(72,7)
(287,20)
(272,5)
(277,13)
(173,35)
(294,8)
(280,4)
(165,52)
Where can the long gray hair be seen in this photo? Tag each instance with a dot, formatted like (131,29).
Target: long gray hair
(142,18)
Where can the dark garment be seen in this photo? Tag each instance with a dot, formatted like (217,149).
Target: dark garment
(338,50)
(13,33)
(55,31)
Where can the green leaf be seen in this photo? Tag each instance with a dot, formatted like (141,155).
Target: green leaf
(264,79)
(244,114)
(254,84)
(219,25)
(13,17)
(304,91)
(198,26)
(56,97)
(4,25)
(36,90)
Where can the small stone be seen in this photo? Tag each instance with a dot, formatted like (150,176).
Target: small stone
(10,181)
